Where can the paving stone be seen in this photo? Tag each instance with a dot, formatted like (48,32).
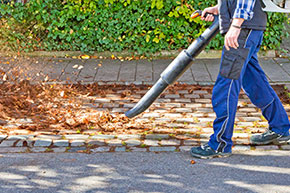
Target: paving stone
(251,119)
(241,148)
(162,120)
(129,105)
(19,132)
(127,71)
(101,149)
(211,115)
(200,72)
(173,115)
(182,91)
(184,120)
(111,105)
(205,135)
(73,137)
(119,110)
(157,136)
(103,100)
(42,142)
(149,142)
(239,114)
(207,96)
(124,137)
(162,149)
(60,143)
(254,114)
(8,143)
(13,149)
(285,147)
(170,105)
(38,149)
(99,142)
(133,142)
(137,149)
(191,96)
(204,110)
(267,147)
(207,130)
(247,109)
(182,100)
(194,105)
(202,100)
(193,142)
(185,148)
(144,70)
(183,110)
(120,149)
(108,71)
(77,143)
(17,137)
(202,120)
(162,100)
(59,149)
(103,137)
(200,92)
(195,114)
(114,142)
(76,149)
(170,142)
(89,71)
(245,124)
(54,137)
(151,115)
(175,125)
(173,96)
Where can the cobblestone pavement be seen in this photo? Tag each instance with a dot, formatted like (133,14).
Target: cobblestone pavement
(107,71)
(180,121)
(188,115)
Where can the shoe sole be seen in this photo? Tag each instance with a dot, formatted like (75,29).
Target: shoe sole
(219,155)
(279,141)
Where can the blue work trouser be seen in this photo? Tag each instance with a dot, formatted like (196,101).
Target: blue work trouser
(240,68)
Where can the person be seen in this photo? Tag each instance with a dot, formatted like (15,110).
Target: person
(243,23)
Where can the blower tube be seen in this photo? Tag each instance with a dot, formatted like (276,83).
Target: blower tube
(176,68)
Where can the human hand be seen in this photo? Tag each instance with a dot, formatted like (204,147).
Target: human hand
(212,11)
(231,38)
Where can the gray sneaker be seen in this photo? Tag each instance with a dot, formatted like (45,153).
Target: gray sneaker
(206,152)
(269,137)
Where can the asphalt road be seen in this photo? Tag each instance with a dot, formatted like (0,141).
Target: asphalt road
(249,171)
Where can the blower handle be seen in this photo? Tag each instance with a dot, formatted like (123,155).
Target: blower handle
(198,13)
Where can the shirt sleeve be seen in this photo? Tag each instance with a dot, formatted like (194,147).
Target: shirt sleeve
(244,9)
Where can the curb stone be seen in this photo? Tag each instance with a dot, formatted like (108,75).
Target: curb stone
(158,55)
(155,143)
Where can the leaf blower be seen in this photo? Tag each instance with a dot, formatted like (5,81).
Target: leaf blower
(177,67)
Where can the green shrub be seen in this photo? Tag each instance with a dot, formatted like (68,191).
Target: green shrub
(145,26)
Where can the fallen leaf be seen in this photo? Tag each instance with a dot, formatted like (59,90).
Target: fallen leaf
(75,66)
(192,162)
(85,57)
(5,77)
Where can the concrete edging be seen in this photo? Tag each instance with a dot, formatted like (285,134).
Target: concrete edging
(79,143)
(158,55)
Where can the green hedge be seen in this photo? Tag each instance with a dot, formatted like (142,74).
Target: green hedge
(145,26)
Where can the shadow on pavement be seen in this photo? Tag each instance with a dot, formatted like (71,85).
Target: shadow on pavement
(251,171)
